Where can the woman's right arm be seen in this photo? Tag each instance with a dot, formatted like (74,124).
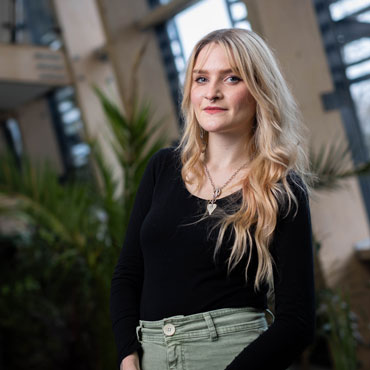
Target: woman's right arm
(130,362)
(128,274)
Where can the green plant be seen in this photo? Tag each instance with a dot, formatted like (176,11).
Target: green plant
(53,269)
(59,245)
(135,140)
(339,327)
(332,163)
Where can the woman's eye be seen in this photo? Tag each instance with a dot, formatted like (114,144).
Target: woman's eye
(233,79)
(200,79)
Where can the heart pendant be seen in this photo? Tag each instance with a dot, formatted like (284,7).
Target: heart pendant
(211,207)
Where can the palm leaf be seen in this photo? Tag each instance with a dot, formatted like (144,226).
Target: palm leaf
(37,192)
(332,163)
(136,138)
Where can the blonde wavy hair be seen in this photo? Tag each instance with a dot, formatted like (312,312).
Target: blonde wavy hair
(276,147)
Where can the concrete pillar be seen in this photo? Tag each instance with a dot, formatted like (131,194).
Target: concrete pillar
(119,18)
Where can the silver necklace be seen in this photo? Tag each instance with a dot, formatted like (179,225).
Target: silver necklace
(211,206)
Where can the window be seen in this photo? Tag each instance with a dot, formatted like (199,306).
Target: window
(345,29)
(68,126)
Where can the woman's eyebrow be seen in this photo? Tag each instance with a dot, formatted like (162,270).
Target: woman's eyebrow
(202,71)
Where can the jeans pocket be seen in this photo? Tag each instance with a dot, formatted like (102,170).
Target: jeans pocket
(138,334)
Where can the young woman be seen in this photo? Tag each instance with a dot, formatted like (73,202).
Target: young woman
(219,223)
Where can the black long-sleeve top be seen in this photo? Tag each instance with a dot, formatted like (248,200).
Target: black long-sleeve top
(167,267)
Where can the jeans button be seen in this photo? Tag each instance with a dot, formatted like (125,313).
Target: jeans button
(169,329)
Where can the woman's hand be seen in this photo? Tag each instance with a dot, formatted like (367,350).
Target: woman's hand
(130,362)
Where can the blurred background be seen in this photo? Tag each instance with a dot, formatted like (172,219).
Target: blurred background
(90,89)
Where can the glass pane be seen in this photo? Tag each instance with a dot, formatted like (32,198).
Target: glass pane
(171,30)
(65,105)
(71,116)
(238,11)
(207,15)
(80,154)
(16,136)
(356,50)
(182,77)
(64,93)
(176,48)
(364,17)
(243,24)
(180,64)
(361,96)
(358,70)
(73,128)
(343,8)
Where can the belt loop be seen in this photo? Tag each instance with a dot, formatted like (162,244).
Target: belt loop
(211,327)
(271,314)
(138,332)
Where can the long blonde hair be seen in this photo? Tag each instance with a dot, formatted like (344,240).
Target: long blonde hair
(276,147)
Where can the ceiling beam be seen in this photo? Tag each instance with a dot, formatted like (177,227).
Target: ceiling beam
(162,13)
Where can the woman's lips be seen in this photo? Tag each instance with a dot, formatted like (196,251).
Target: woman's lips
(214,110)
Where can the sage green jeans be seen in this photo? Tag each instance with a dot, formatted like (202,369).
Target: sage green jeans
(208,340)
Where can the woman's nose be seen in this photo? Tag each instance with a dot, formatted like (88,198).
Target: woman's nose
(213,92)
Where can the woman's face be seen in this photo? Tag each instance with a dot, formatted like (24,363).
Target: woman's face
(233,108)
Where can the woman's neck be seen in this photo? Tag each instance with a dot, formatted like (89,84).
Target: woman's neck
(225,152)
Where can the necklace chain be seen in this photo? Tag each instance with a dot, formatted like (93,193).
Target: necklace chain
(217,191)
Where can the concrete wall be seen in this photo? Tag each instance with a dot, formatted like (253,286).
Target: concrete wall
(38,135)
(33,65)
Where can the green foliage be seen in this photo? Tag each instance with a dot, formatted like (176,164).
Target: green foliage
(54,271)
(45,314)
(134,142)
(36,192)
(339,326)
(58,247)
(332,163)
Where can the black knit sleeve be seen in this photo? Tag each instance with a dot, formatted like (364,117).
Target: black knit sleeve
(293,328)
(128,274)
